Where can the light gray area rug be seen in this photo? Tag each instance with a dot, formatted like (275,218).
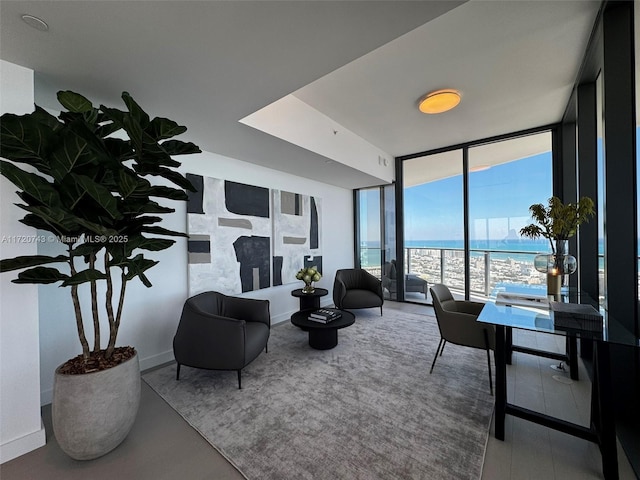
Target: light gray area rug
(367,409)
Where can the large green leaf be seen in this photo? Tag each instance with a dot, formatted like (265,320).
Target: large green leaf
(88,275)
(127,183)
(176,147)
(155,244)
(45,118)
(164,192)
(162,128)
(25,139)
(154,155)
(74,102)
(40,275)
(71,153)
(106,129)
(138,115)
(141,207)
(100,230)
(32,184)
(38,223)
(100,194)
(57,218)
(25,261)
(136,266)
(87,248)
(134,130)
(142,186)
(119,149)
(163,231)
(115,115)
(171,175)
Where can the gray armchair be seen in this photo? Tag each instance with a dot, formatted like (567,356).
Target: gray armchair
(219,332)
(357,288)
(457,324)
(412,282)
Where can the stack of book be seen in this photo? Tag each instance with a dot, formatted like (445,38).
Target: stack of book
(324,315)
(576,316)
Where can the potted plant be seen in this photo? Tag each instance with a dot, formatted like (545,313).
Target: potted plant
(308,275)
(86,185)
(557,222)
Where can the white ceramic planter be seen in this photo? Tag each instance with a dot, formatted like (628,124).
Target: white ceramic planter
(93,413)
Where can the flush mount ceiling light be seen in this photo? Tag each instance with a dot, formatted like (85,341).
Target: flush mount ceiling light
(35,22)
(439,101)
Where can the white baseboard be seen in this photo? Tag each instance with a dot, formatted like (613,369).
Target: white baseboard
(19,446)
(155,360)
(46,396)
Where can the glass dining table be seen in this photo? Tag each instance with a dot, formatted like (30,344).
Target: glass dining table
(602,424)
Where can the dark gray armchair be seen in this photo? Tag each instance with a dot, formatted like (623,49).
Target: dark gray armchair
(412,282)
(357,288)
(457,324)
(219,332)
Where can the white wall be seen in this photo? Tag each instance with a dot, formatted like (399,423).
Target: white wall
(21,428)
(151,315)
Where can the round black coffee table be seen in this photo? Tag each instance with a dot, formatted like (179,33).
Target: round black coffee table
(309,301)
(322,336)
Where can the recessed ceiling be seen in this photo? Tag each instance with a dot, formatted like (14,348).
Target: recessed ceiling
(362,64)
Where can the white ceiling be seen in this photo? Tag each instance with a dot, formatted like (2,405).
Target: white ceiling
(363,64)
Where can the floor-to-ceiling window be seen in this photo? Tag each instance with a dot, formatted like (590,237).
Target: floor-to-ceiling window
(369,232)
(433,222)
(600,175)
(505,179)
(464,230)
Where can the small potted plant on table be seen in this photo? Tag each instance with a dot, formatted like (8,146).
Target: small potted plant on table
(557,222)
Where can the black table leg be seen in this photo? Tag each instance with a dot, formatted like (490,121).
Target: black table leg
(602,413)
(572,356)
(309,303)
(501,380)
(509,345)
(323,338)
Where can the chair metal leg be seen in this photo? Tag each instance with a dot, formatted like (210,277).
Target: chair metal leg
(380,310)
(266,348)
(486,343)
(240,379)
(443,344)
(178,373)
(440,344)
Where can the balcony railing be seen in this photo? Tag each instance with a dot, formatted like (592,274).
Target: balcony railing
(488,268)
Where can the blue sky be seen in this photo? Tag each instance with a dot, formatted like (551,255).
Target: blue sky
(499,200)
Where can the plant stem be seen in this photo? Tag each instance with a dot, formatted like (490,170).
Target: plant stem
(94,307)
(108,304)
(116,325)
(78,311)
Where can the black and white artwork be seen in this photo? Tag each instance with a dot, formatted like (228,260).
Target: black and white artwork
(229,226)
(244,238)
(296,235)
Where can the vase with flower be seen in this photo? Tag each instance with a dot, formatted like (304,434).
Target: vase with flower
(308,275)
(557,222)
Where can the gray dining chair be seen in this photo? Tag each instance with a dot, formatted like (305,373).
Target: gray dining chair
(457,324)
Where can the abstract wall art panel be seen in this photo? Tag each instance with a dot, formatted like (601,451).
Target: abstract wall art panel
(230,228)
(244,238)
(296,235)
